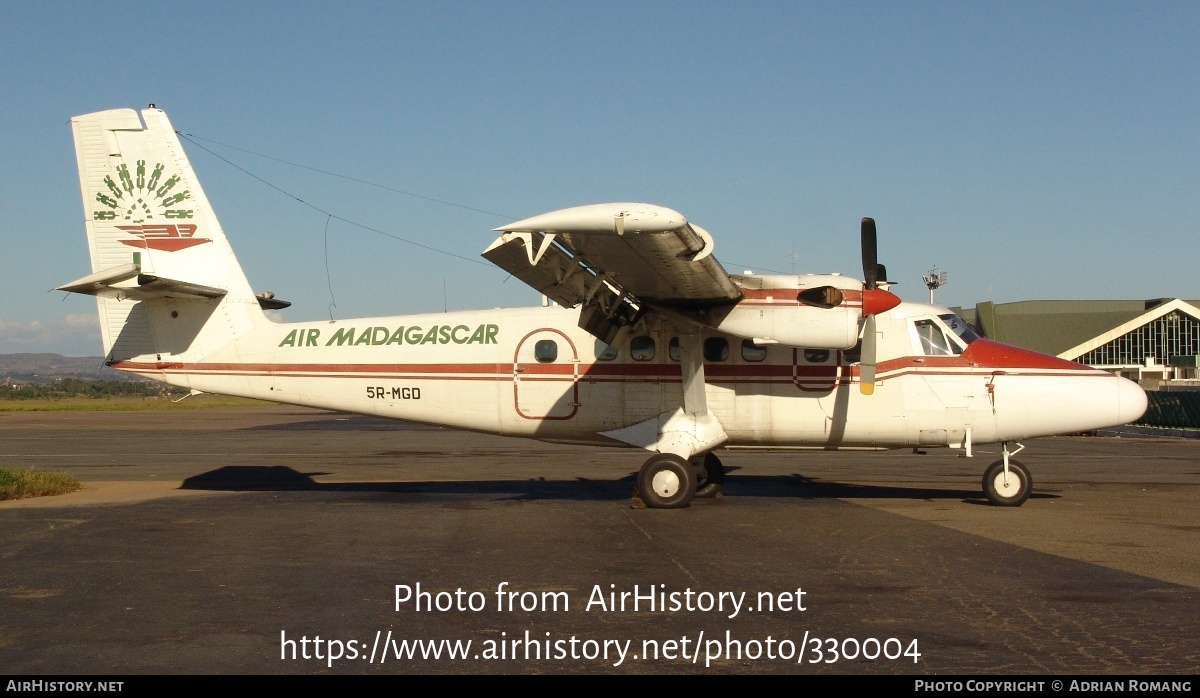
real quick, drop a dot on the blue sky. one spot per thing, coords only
(1030, 150)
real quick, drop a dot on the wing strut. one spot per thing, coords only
(691, 429)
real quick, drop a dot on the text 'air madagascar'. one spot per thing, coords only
(438, 334)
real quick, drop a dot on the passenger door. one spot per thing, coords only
(546, 376)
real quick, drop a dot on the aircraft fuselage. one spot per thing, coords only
(533, 373)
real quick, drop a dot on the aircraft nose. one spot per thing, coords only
(1131, 401)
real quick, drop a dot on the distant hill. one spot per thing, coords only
(48, 368)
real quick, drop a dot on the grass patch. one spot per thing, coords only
(86, 387)
(125, 404)
(20, 484)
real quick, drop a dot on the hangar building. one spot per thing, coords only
(1155, 342)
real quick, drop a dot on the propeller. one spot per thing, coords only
(872, 272)
(870, 255)
(866, 368)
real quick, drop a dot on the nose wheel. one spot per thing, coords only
(1007, 488)
(666, 481)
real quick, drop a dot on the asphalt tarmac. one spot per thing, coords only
(227, 541)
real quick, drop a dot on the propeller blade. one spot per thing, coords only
(869, 253)
(866, 366)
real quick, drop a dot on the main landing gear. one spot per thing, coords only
(1007, 482)
(667, 481)
(712, 477)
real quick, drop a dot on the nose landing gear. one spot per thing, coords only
(1007, 483)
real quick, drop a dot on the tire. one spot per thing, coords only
(1018, 489)
(714, 477)
(666, 482)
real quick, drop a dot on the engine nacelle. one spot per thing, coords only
(821, 312)
(799, 326)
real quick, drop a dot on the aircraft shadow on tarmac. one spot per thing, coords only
(258, 478)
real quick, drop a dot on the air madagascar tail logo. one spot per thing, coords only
(139, 199)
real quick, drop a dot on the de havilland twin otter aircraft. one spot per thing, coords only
(648, 343)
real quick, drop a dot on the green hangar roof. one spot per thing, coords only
(1053, 327)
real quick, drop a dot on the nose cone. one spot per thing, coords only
(1131, 401)
(876, 300)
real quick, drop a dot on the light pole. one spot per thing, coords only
(934, 279)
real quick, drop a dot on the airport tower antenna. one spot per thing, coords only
(934, 279)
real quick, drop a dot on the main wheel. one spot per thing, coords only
(1007, 492)
(714, 477)
(666, 481)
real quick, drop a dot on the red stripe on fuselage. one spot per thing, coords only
(983, 356)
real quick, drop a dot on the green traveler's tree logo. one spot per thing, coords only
(139, 198)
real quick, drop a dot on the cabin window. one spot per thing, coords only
(753, 352)
(673, 349)
(716, 349)
(932, 341)
(817, 356)
(604, 352)
(545, 351)
(642, 348)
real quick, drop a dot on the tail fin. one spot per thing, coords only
(165, 277)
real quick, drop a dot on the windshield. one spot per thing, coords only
(959, 327)
(933, 342)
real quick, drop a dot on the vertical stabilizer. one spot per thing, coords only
(144, 211)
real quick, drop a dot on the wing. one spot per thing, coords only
(616, 260)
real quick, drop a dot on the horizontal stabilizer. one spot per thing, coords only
(127, 282)
(92, 284)
(158, 287)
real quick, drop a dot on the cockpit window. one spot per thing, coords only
(933, 341)
(959, 327)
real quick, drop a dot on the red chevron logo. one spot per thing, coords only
(168, 237)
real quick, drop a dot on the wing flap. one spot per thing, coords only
(553, 272)
(650, 252)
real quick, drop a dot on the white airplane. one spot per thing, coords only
(663, 350)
